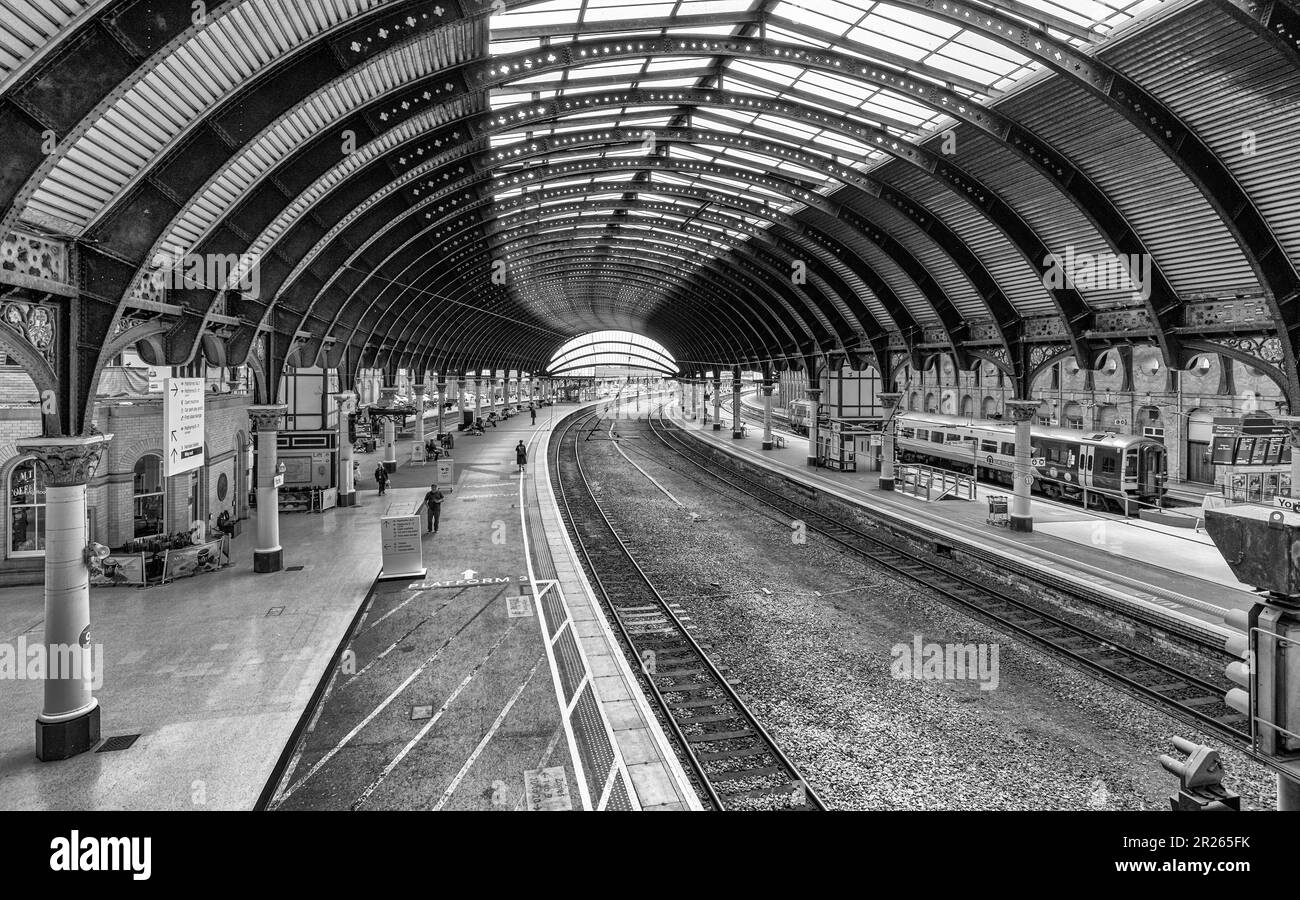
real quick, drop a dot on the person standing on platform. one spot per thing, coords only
(433, 507)
(532, 410)
(381, 477)
(521, 456)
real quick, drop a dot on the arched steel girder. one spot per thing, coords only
(902, 319)
(1070, 305)
(333, 322)
(568, 367)
(622, 100)
(435, 325)
(1276, 22)
(1180, 143)
(736, 318)
(463, 286)
(589, 342)
(944, 309)
(1076, 187)
(432, 251)
(632, 258)
(853, 312)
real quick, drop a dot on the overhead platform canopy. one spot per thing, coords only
(754, 183)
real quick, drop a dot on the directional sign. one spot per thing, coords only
(183, 408)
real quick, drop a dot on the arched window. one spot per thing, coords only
(148, 494)
(26, 510)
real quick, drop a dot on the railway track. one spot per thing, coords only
(736, 763)
(1160, 684)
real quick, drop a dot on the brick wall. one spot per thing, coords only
(137, 429)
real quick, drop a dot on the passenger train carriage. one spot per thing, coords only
(799, 413)
(1111, 466)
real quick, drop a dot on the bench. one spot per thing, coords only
(778, 440)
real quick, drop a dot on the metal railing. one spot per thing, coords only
(929, 483)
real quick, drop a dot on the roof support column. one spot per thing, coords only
(717, 399)
(736, 432)
(814, 411)
(347, 483)
(268, 555)
(768, 441)
(1023, 412)
(69, 720)
(388, 398)
(890, 402)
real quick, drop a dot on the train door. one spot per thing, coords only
(1151, 470)
(1085, 465)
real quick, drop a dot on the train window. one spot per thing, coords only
(1131, 464)
(1108, 466)
(907, 433)
(922, 434)
(1008, 449)
(936, 437)
(988, 446)
(954, 438)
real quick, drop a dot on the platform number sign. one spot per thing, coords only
(183, 410)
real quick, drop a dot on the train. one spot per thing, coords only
(799, 412)
(1113, 468)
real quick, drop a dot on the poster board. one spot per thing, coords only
(446, 474)
(403, 554)
(120, 570)
(207, 557)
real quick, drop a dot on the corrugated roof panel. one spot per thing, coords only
(1014, 275)
(1232, 84)
(1183, 233)
(28, 29)
(232, 48)
(1060, 224)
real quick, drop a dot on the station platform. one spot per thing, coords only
(321, 687)
(1173, 571)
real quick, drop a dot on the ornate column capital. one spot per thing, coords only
(388, 395)
(890, 400)
(814, 393)
(1023, 410)
(420, 389)
(66, 461)
(267, 418)
(346, 401)
(767, 388)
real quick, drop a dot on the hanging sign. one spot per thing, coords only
(183, 408)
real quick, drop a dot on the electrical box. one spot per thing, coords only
(1260, 545)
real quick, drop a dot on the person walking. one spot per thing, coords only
(381, 478)
(521, 456)
(433, 507)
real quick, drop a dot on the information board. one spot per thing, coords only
(183, 409)
(403, 553)
(446, 474)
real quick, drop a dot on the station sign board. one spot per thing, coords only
(183, 413)
(403, 554)
(1255, 441)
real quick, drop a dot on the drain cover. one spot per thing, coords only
(120, 742)
(293, 568)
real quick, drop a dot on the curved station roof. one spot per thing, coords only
(747, 182)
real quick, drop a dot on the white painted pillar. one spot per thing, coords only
(389, 397)
(1023, 411)
(814, 411)
(419, 391)
(717, 402)
(442, 404)
(346, 401)
(478, 398)
(887, 450)
(268, 555)
(69, 721)
(736, 433)
(768, 441)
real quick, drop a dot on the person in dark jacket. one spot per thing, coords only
(521, 456)
(381, 478)
(532, 410)
(433, 507)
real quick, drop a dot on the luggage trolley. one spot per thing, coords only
(998, 514)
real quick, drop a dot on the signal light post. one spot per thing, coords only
(1262, 547)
